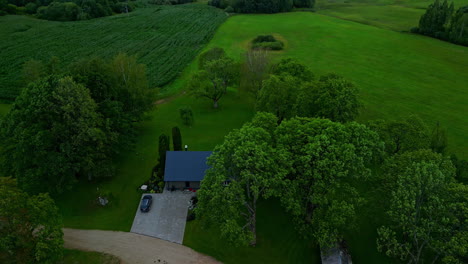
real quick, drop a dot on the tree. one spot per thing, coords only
(186, 114)
(427, 212)
(278, 96)
(458, 30)
(52, 135)
(439, 139)
(176, 139)
(164, 146)
(202, 86)
(212, 54)
(294, 68)
(327, 160)
(223, 69)
(244, 169)
(33, 70)
(254, 71)
(132, 85)
(332, 97)
(30, 230)
(404, 135)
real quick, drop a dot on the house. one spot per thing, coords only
(185, 169)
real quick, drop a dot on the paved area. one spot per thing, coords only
(133, 248)
(167, 217)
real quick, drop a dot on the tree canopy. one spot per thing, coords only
(52, 135)
(427, 210)
(243, 169)
(30, 226)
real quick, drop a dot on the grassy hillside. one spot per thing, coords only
(398, 15)
(398, 74)
(165, 38)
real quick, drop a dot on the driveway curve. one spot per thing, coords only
(133, 248)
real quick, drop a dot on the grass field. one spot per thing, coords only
(398, 15)
(85, 257)
(398, 74)
(165, 38)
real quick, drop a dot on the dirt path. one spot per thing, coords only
(133, 248)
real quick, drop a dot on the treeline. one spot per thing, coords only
(261, 6)
(443, 22)
(70, 124)
(66, 10)
(170, 2)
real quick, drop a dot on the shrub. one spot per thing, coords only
(11, 9)
(267, 42)
(186, 114)
(229, 9)
(31, 8)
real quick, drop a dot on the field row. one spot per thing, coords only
(166, 39)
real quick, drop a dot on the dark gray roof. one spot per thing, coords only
(186, 165)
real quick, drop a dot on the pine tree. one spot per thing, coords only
(176, 139)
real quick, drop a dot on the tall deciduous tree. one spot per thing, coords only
(30, 226)
(294, 68)
(176, 139)
(52, 135)
(254, 71)
(327, 159)
(278, 96)
(427, 212)
(244, 169)
(212, 54)
(332, 97)
(404, 135)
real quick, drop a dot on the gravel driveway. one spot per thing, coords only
(167, 217)
(133, 248)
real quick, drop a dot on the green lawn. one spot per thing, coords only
(210, 127)
(278, 241)
(398, 74)
(165, 38)
(85, 257)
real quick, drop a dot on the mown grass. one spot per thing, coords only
(398, 15)
(78, 206)
(278, 241)
(165, 38)
(398, 74)
(86, 257)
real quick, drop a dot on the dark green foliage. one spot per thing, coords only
(31, 226)
(327, 161)
(176, 139)
(439, 139)
(458, 30)
(267, 42)
(57, 11)
(461, 167)
(332, 97)
(52, 135)
(403, 135)
(304, 3)
(294, 68)
(427, 210)
(170, 2)
(441, 22)
(186, 114)
(212, 54)
(164, 145)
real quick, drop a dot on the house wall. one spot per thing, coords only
(181, 185)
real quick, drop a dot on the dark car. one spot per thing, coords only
(146, 203)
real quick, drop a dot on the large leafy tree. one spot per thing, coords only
(332, 97)
(254, 71)
(244, 169)
(294, 68)
(30, 226)
(278, 96)
(327, 159)
(427, 211)
(52, 135)
(399, 136)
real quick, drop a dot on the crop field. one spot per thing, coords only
(165, 38)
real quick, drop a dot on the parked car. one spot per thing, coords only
(145, 205)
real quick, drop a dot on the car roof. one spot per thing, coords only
(147, 197)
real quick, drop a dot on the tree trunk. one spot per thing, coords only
(253, 224)
(215, 103)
